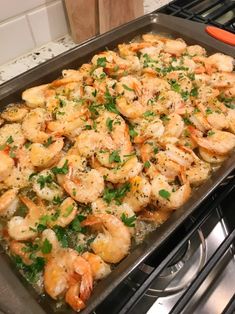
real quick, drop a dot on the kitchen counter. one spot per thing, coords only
(53, 48)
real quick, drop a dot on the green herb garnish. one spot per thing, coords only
(128, 221)
(63, 170)
(165, 194)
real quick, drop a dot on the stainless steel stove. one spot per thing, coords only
(194, 272)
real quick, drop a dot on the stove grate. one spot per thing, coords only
(214, 12)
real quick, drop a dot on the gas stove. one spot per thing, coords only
(194, 272)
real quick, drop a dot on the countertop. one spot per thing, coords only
(52, 49)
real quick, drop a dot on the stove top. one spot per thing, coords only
(215, 12)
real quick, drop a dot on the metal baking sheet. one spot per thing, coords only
(16, 295)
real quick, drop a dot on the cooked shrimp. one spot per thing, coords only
(50, 235)
(85, 187)
(89, 142)
(22, 229)
(139, 195)
(45, 156)
(211, 157)
(113, 244)
(179, 156)
(221, 62)
(11, 134)
(67, 213)
(123, 173)
(82, 185)
(35, 96)
(33, 125)
(6, 165)
(159, 216)
(148, 128)
(71, 129)
(165, 196)
(19, 175)
(231, 120)
(216, 141)
(19, 249)
(175, 47)
(14, 113)
(196, 50)
(222, 80)
(198, 172)
(166, 166)
(8, 203)
(101, 207)
(48, 190)
(68, 274)
(174, 125)
(132, 110)
(99, 268)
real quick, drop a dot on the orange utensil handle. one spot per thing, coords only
(221, 35)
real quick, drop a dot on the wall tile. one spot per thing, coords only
(15, 39)
(12, 8)
(48, 23)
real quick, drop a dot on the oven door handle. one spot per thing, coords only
(220, 34)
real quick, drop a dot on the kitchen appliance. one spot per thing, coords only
(163, 262)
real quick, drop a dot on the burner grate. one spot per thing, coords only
(214, 12)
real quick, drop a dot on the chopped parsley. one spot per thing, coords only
(132, 131)
(101, 62)
(109, 124)
(46, 247)
(149, 114)
(117, 194)
(110, 102)
(9, 140)
(114, 157)
(68, 211)
(147, 164)
(128, 221)
(210, 133)
(208, 111)
(57, 200)
(63, 170)
(165, 194)
(43, 180)
(127, 88)
(48, 142)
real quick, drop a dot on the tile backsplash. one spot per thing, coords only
(26, 24)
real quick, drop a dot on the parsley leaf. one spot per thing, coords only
(110, 104)
(68, 211)
(128, 88)
(46, 247)
(44, 180)
(147, 164)
(128, 221)
(210, 133)
(48, 142)
(109, 124)
(209, 111)
(114, 157)
(165, 194)
(101, 62)
(148, 114)
(9, 140)
(63, 170)
(116, 194)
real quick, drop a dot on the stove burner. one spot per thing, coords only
(183, 268)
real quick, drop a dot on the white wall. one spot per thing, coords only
(27, 24)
